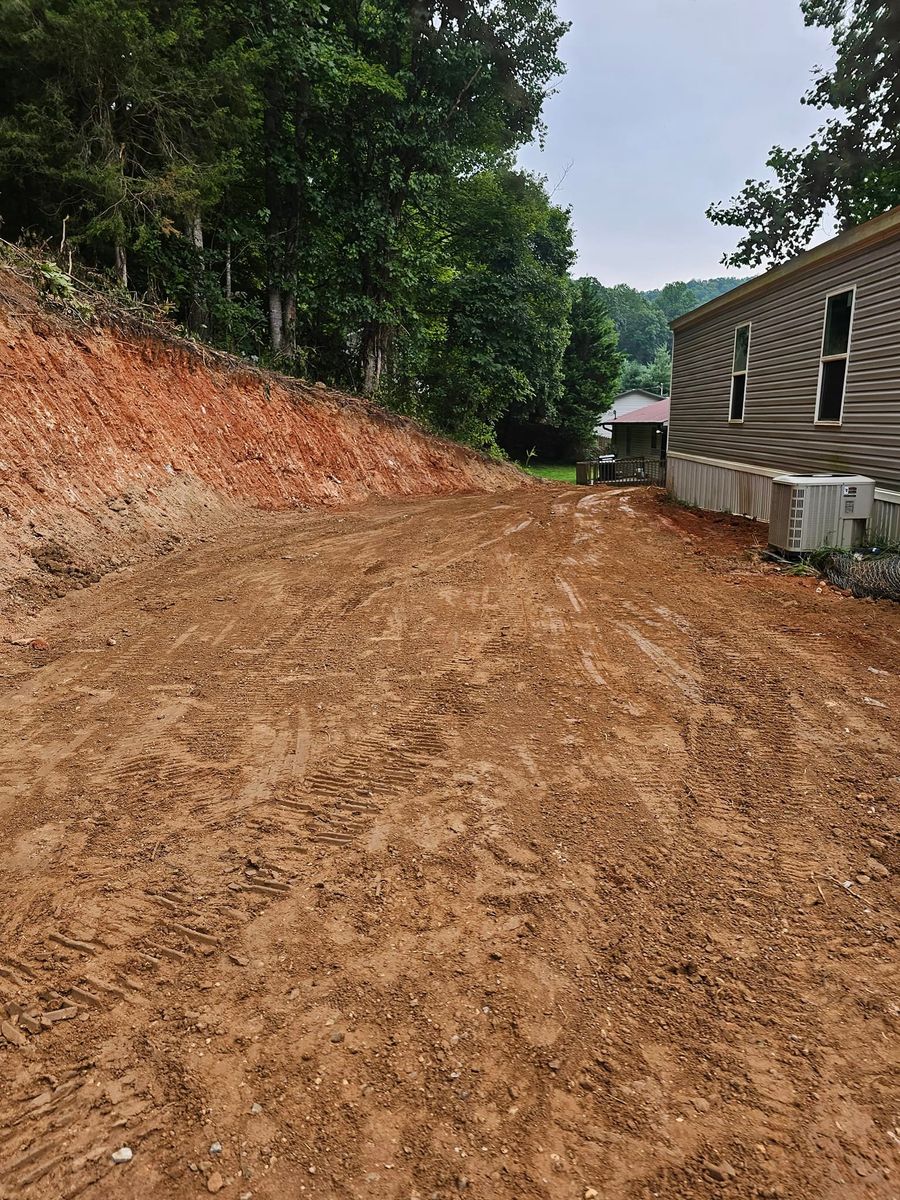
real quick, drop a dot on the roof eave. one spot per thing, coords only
(879, 229)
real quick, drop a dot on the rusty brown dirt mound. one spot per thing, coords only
(115, 446)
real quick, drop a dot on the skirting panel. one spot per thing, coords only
(749, 494)
(885, 521)
(721, 489)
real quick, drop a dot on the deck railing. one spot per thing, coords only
(622, 470)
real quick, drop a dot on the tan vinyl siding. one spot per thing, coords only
(779, 429)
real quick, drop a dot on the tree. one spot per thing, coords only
(498, 321)
(641, 325)
(471, 79)
(119, 116)
(591, 364)
(675, 299)
(852, 162)
(655, 376)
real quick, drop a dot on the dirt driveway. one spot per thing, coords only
(523, 846)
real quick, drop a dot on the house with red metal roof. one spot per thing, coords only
(642, 433)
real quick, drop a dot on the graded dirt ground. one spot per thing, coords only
(530, 845)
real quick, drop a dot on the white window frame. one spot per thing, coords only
(823, 358)
(748, 325)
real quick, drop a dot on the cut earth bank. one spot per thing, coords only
(116, 445)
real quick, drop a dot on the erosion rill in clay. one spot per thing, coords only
(115, 446)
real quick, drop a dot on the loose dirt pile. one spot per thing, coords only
(526, 846)
(116, 447)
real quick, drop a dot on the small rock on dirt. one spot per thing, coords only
(39, 644)
(591, 1193)
(14, 1036)
(215, 1183)
(123, 1155)
(623, 972)
(216, 1148)
(876, 869)
(256, 1109)
(721, 1172)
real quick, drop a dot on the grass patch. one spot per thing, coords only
(560, 472)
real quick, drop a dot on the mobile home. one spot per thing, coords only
(794, 372)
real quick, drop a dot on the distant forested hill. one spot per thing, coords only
(701, 290)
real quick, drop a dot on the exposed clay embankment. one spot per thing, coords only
(116, 446)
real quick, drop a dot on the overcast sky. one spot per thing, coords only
(668, 105)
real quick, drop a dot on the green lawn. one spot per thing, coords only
(561, 472)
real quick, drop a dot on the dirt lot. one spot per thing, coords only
(534, 845)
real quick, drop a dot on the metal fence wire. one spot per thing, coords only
(875, 575)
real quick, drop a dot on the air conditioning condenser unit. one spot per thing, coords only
(811, 511)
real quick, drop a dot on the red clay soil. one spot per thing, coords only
(116, 446)
(530, 846)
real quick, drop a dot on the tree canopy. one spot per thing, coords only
(852, 164)
(325, 186)
(642, 323)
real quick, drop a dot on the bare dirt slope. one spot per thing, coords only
(115, 446)
(520, 846)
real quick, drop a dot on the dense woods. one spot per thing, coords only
(328, 187)
(642, 321)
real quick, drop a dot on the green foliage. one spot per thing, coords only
(52, 279)
(675, 299)
(641, 325)
(497, 311)
(591, 364)
(642, 321)
(701, 290)
(852, 162)
(655, 376)
(322, 185)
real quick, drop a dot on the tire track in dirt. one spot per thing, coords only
(377, 827)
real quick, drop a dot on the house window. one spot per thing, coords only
(739, 372)
(835, 355)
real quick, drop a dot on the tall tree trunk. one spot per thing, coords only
(197, 314)
(289, 322)
(376, 341)
(276, 319)
(228, 270)
(121, 264)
